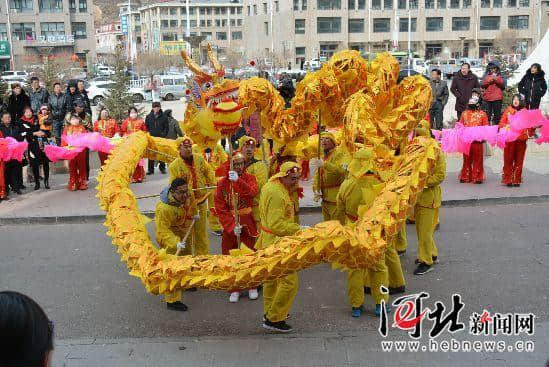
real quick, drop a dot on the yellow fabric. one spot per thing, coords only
(425, 227)
(278, 297)
(204, 177)
(333, 174)
(258, 153)
(282, 172)
(394, 267)
(260, 172)
(362, 162)
(431, 196)
(401, 240)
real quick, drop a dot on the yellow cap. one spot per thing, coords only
(285, 170)
(246, 140)
(329, 135)
(362, 162)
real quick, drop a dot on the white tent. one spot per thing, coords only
(539, 55)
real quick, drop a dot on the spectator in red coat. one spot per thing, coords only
(494, 85)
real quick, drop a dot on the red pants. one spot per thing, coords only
(305, 170)
(513, 158)
(138, 174)
(102, 157)
(228, 241)
(77, 169)
(473, 164)
(2, 181)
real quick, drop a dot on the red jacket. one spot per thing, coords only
(504, 121)
(493, 87)
(246, 189)
(471, 118)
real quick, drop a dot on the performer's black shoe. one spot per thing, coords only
(410, 221)
(509, 185)
(177, 306)
(423, 269)
(150, 173)
(193, 289)
(478, 182)
(435, 259)
(397, 290)
(367, 290)
(516, 185)
(163, 171)
(279, 327)
(437, 227)
(400, 253)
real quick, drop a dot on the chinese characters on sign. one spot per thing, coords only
(53, 39)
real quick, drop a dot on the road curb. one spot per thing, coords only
(95, 218)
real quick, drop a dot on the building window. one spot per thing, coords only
(300, 51)
(233, 10)
(485, 3)
(218, 22)
(497, 3)
(224, 22)
(236, 35)
(238, 10)
(328, 50)
(233, 22)
(3, 32)
(303, 4)
(164, 23)
(183, 11)
(208, 35)
(454, 4)
(413, 4)
(328, 25)
(201, 11)
(441, 4)
(51, 6)
(266, 28)
(461, 23)
(21, 6)
(82, 6)
(23, 31)
(173, 11)
(489, 23)
(155, 24)
(255, 9)
(296, 4)
(193, 23)
(238, 22)
(376, 4)
(388, 4)
(72, 6)
(300, 26)
(466, 4)
(169, 37)
(511, 3)
(432, 50)
(429, 4)
(433, 24)
(361, 4)
(277, 7)
(351, 4)
(264, 8)
(518, 22)
(524, 3)
(356, 25)
(173, 24)
(164, 11)
(249, 10)
(328, 4)
(51, 30)
(221, 36)
(403, 24)
(382, 25)
(79, 30)
(402, 4)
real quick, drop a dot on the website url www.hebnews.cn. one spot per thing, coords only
(454, 345)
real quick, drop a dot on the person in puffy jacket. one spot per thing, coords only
(58, 107)
(157, 125)
(37, 94)
(174, 131)
(533, 86)
(494, 85)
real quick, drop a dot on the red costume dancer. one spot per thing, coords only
(245, 189)
(3, 194)
(513, 154)
(129, 126)
(106, 127)
(77, 165)
(473, 163)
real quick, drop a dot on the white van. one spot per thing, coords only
(171, 87)
(14, 75)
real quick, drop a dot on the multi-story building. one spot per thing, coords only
(107, 38)
(33, 28)
(299, 30)
(164, 25)
(130, 19)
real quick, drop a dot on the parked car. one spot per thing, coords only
(98, 91)
(449, 67)
(104, 70)
(171, 87)
(14, 74)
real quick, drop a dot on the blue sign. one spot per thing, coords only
(124, 23)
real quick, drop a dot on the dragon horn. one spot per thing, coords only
(194, 66)
(216, 65)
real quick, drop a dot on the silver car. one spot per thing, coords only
(171, 87)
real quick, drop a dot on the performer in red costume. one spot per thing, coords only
(244, 188)
(130, 125)
(77, 165)
(473, 163)
(107, 127)
(3, 194)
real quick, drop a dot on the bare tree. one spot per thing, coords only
(506, 42)
(233, 58)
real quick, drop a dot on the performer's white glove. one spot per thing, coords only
(181, 246)
(196, 217)
(116, 136)
(238, 230)
(317, 197)
(233, 176)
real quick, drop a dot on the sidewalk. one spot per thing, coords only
(60, 205)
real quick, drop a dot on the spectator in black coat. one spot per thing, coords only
(71, 96)
(157, 125)
(31, 129)
(37, 94)
(13, 167)
(17, 101)
(81, 90)
(533, 86)
(58, 107)
(174, 131)
(463, 83)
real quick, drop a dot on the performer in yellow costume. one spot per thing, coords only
(426, 210)
(173, 216)
(277, 214)
(199, 174)
(330, 175)
(358, 192)
(215, 158)
(247, 145)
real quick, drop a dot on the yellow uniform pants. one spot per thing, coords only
(401, 241)
(200, 239)
(329, 211)
(394, 268)
(213, 221)
(426, 220)
(173, 297)
(278, 296)
(376, 276)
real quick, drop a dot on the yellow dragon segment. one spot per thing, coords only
(374, 120)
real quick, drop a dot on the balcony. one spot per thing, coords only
(50, 41)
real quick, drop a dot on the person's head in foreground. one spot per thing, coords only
(289, 175)
(27, 332)
(185, 146)
(179, 190)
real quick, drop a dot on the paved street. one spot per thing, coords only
(495, 256)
